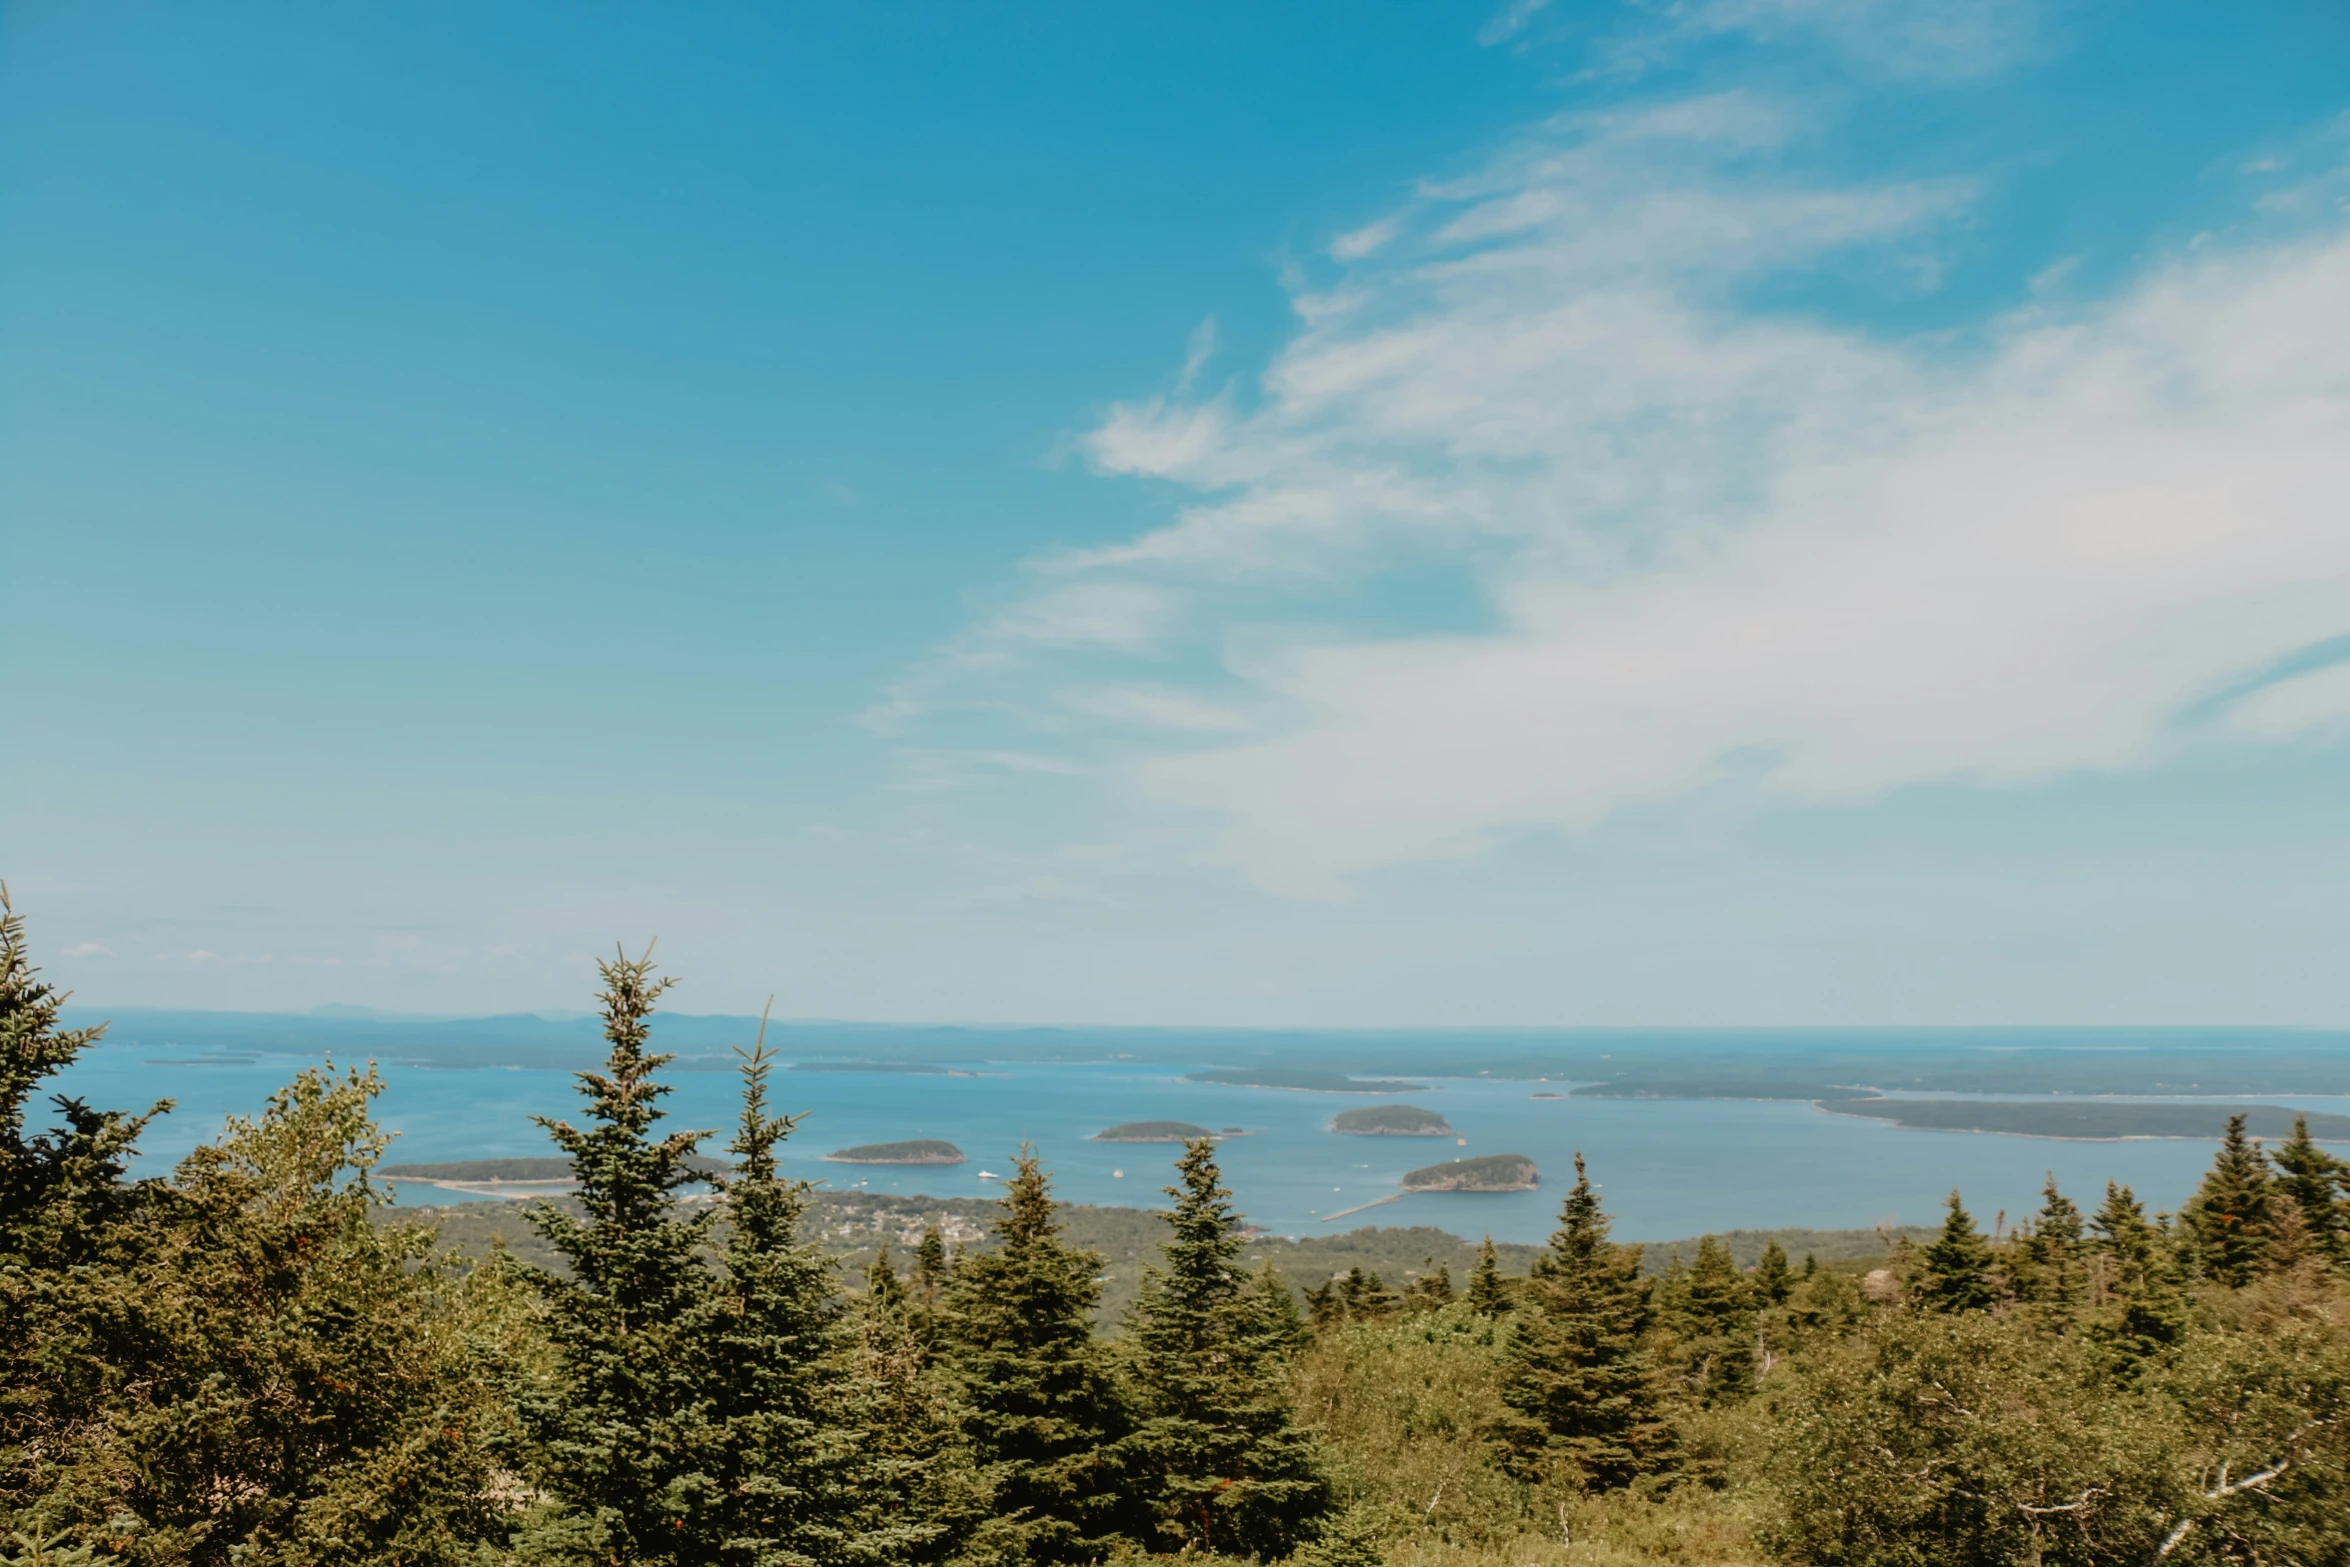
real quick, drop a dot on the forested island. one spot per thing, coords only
(915, 1068)
(1151, 1132)
(918, 1150)
(1497, 1172)
(250, 1361)
(1391, 1121)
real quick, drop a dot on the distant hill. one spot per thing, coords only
(1494, 1172)
(1391, 1121)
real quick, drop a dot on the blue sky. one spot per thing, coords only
(1773, 511)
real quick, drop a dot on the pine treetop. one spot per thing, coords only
(82, 1162)
(1488, 1296)
(2309, 1179)
(2059, 1220)
(1774, 1280)
(1954, 1273)
(2228, 1217)
(634, 1249)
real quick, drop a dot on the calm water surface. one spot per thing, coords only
(1668, 1168)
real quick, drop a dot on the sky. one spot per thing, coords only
(1713, 512)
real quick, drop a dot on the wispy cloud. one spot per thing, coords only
(1721, 543)
(89, 949)
(1903, 39)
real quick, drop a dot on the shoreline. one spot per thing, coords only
(2046, 1137)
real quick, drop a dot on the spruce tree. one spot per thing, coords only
(1277, 1313)
(1488, 1296)
(1954, 1273)
(1774, 1280)
(1580, 1392)
(56, 1187)
(791, 1470)
(1233, 1474)
(2047, 1261)
(623, 1436)
(883, 1288)
(2123, 1242)
(1042, 1411)
(2313, 1181)
(1716, 1311)
(2228, 1217)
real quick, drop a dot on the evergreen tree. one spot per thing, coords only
(1277, 1313)
(1774, 1280)
(2312, 1182)
(2047, 1262)
(1715, 1307)
(1430, 1290)
(2138, 1305)
(882, 1285)
(1042, 1412)
(1324, 1308)
(791, 1473)
(1233, 1473)
(930, 1267)
(56, 1187)
(1488, 1296)
(1363, 1295)
(2123, 1242)
(2228, 1217)
(1954, 1273)
(623, 1434)
(1580, 1392)
(260, 1372)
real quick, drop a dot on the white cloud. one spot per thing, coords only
(1718, 544)
(1903, 39)
(89, 949)
(1123, 616)
(1156, 707)
(1197, 352)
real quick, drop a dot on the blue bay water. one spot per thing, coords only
(1668, 1168)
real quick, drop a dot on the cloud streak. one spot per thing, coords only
(1720, 544)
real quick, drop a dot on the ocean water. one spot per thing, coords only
(1666, 1168)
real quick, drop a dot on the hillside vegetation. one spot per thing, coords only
(248, 1361)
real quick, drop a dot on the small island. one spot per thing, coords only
(1391, 1121)
(1152, 1132)
(920, 1150)
(1546, 1095)
(1494, 1172)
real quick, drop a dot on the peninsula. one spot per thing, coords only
(2096, 1120)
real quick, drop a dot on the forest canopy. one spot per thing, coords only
(251, 1360)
